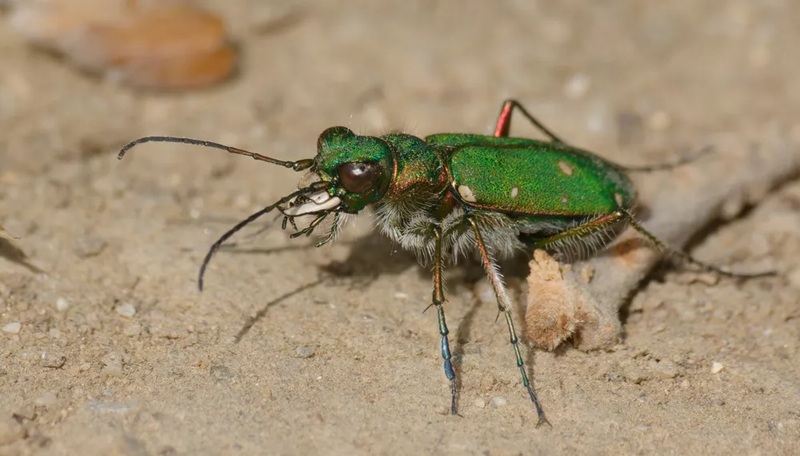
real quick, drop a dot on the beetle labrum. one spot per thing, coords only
(447, 193)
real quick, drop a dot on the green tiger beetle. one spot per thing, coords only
(448, 193)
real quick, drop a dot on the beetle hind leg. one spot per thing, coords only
(504, 121)
(664, 248)
(585, 239)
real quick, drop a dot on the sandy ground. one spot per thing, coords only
(117, 352)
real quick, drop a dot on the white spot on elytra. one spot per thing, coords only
(565, 168)
(466, 194)
(514, 192)
(618, 199)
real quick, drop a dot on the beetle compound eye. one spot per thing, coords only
(358, 177)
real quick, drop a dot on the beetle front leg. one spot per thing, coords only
(504, 305)
(504, 121)
(438, 302)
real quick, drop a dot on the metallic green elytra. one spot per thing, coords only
(535, 178)
(449, 194)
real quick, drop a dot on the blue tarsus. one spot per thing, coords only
(438, 301)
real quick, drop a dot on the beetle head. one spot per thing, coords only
(357, 169)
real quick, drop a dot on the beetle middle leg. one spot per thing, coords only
(505, 307)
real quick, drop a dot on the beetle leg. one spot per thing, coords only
(311, 226)
(688, 158)
(605, 222)
(504, 121)
(438, 301)
(332, 233)
(504, 305)
(583, 239)
(662, 247)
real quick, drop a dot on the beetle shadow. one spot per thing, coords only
(374, 255)
(251, 321)
(462, 338)
(370, 257)
(366, 262)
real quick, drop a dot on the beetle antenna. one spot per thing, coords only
(216, 245)
(298, 165)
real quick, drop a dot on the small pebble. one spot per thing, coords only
(716, 367)
(304, 352)
(706, 278)
(665, 369)
(577, 86)
(480, 403)
(12, 328)
(499, 401)
(52, 360)
(112, 364)
(400, 295)
(126, 310)
(62, 304)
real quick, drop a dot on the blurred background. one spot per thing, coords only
(107, 348)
